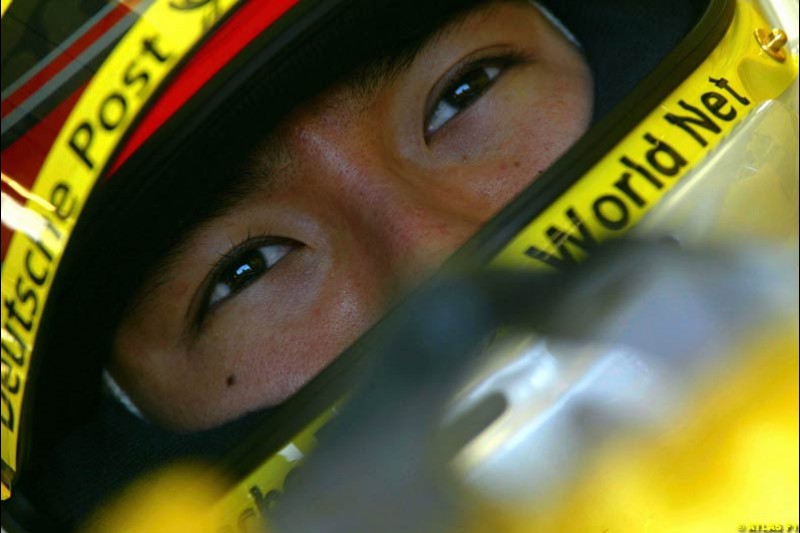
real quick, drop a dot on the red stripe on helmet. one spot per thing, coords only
(241, 28)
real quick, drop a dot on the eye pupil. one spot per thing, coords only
(251, 264)
(243, 266)
(468, 88)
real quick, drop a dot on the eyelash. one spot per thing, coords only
(219, 290)
(457, 81)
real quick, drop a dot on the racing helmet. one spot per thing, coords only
(109, 119)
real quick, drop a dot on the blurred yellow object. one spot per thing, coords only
(728, 463)
(178, 499)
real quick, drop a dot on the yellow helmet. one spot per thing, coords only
(111, 112)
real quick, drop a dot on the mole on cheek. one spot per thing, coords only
(230, 381)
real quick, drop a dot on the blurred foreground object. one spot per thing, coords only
(659, 393)
(671, 405)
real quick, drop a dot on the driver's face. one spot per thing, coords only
(357, 196)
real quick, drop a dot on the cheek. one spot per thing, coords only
(262, 353)
(148, 341)
(515, 133)
(540, 132)
(254, 352)
(525, 148)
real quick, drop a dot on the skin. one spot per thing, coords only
(372, 204)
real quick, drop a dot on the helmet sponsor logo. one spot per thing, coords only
(616, 193)
(23, 305)
(90, 136)
(185, 5)
(245, 507)
(112, 109)
(714, 103)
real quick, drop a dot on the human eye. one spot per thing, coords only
(244, 264)
(462, 88)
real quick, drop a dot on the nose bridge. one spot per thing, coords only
(383, 201)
